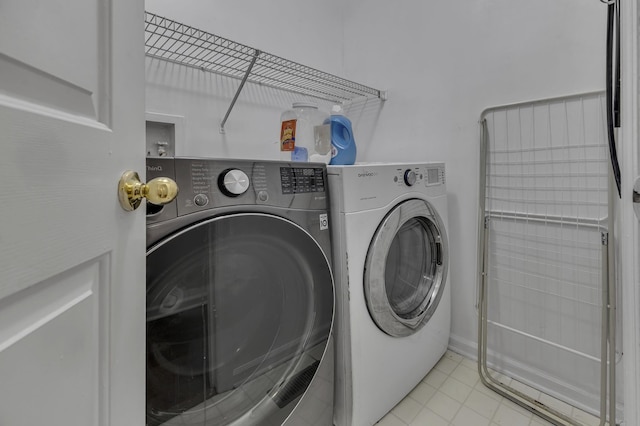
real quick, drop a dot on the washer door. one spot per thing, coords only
(239, 311)
(406, 268)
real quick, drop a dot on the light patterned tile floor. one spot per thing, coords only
(453, 395)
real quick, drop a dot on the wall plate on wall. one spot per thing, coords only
(164, 134)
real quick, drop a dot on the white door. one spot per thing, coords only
(628, 234)
(72, 283)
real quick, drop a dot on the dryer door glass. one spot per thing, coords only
(239, 310)
(406, 268)
(411, 267)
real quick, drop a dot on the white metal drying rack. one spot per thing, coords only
(561, 173)
(179, 43)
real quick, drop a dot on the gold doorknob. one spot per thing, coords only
(131, 191)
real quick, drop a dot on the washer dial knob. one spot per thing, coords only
(201, 200)
(233, 182)
(409, 177)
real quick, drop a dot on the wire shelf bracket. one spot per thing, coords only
(178, 43)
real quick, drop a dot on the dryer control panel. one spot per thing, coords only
(425, 175)
(367, 186)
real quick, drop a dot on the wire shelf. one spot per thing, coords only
(179, 43)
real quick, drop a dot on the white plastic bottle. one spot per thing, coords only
(303, 136)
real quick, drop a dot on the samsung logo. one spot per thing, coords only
(154, 168)
(367, 174)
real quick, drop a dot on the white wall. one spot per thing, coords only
(304, 31)
(442, 62)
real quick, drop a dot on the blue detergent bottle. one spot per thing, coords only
(343, 145)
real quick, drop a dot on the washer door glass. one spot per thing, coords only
(239, 311)
(406, 268)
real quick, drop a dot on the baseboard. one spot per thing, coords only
(465, 347)
(538, 379)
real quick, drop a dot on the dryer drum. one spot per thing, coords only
(406, 268)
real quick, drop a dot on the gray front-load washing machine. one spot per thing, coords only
(240, 296)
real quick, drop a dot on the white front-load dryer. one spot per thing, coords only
(393, 303)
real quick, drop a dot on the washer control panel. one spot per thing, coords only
(300, 180)
(218, 183)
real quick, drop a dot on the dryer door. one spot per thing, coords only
(239, 311)
(406, 268)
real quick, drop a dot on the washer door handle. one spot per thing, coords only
(158, 191)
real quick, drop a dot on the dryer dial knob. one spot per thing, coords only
(409, 177)
(233, 182)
